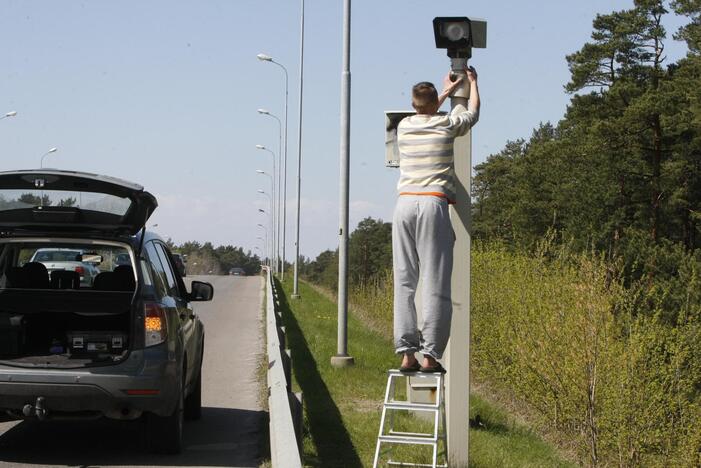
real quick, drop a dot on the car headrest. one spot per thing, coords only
(125, 278)
(36, 275)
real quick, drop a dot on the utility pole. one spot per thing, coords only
(295, 281)
(342, 359)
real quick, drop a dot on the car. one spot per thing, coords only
(129, 346)
(180, 264)
(55, 259)
(122, 259)
(236, 271)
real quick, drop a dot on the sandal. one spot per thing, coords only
(433, 369)
(415, 367)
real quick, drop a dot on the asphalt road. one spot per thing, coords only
(233, 423)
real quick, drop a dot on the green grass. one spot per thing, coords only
(500, 441)
(342, 406)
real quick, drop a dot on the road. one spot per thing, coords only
(233, 422)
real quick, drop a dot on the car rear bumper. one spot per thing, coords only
(122, 391)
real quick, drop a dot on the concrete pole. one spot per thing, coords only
(284, 186)
(279, 198)
(341, 359)
(457, 356)
(295, 282)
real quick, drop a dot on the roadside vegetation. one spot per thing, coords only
(342, 406)
(586, 255)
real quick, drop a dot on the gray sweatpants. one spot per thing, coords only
(422, 244)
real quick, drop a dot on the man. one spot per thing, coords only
(422, 235)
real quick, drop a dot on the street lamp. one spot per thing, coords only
(52, 150)
(279, 201)
(270, 200)
(272, 188)
(9, 114)
(283, 168)
(341, 358)
(275, 208)
(266, 239)
(261, 210)
(295, 283)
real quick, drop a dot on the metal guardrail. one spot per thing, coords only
(283, 405)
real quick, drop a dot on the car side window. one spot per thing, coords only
(149, 286)
(159, 275)
(167, 267)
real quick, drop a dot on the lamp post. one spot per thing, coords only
(272, 188)
(267, 195)
(459, 35)
(272, 241)
(295, 284)
(283, 196)
(279, 202)
(52, 150)
(269, 199)
(342, 359)
(267, 252)
(275, 208)
(9, 114)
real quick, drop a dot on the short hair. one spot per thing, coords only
(424, 97)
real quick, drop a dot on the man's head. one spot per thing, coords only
(424, 98)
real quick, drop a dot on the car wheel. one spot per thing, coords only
(193, 402)
(164, 434)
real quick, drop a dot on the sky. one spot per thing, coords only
(165, 94)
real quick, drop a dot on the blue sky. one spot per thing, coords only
(164, 93)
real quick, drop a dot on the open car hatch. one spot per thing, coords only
(65, 201)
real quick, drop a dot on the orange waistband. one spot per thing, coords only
(433, 194)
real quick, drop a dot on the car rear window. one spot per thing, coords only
(51, 264)
(57, 256)
(22, 199)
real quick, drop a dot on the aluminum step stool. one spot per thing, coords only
(390, 405)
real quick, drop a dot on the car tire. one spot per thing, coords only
(193, 402)
(164, 434)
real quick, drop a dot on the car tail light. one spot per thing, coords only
(80, 270)
(155, 324)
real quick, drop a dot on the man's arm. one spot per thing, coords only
(474, 104)
(463, 119)
(448, 88)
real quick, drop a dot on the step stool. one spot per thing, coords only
(391, 405)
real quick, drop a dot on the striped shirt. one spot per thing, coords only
(426, 152)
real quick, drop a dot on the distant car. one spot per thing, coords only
(130, 347)
(236, 271)
(179, 264)
(122, 259)
(61, 259)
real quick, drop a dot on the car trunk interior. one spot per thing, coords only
(54, 314)
(64, 328)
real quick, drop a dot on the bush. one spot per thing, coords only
(566, 338)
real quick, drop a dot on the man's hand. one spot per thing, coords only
(471, 74)
(449, 85)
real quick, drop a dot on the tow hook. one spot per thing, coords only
(37, 410)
